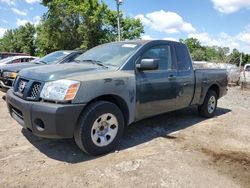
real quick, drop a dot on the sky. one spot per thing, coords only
(223, 23)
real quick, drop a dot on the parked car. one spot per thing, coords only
(247, 67)
(4, 55)
(109, 87)
(8, 73)
(17, 59)
(245, 76)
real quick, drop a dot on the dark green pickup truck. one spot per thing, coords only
(110, 87)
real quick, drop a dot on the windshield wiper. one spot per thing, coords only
(76, 61)
(95, 62)
(40, 62)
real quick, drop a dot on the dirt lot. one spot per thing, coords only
(179, 149)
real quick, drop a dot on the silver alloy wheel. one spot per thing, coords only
(104, 130)
(211, 104)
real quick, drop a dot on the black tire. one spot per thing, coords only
(83, 130)
(203, 109)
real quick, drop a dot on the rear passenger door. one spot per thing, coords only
(185, 77)
(156, 89)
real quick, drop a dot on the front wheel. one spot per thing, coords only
(100, 128)
(209, 106)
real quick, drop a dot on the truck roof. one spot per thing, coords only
(142, 42)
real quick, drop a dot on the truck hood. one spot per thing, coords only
(61, 71)
(18, 66)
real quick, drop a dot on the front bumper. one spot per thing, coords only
(47, 120)
(6, 84)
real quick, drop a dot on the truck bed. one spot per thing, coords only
(205, 78)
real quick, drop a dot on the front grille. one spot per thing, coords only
(27, 89)
(35, 90)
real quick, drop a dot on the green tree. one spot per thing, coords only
(234, 57)
(192, 44)
(58, 28)
(8, 42)
(25, 37)
(131, 28)
(20, 40)
(198, 55)
(245, 59)
(209, 53)
(71, 24)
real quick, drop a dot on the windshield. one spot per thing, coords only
(53, 57)
(114, 54)
(6, 59)
(247, 68)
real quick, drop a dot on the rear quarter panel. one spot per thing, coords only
(205, 78)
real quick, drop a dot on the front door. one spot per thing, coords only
(156, 89)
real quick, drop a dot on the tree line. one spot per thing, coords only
(70, 24)
(215, 53)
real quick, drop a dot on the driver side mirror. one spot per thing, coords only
(148, 64)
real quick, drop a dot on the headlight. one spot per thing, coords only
(60, 90)
(9, 75)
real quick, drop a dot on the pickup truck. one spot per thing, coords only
(109, 87)
(245, 77)
(8, 72)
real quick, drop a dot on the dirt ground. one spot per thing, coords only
(177, 149)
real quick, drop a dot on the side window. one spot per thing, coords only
(183, 58)
(162, 53)
(16, 61)
(247, 68)
(72, 58)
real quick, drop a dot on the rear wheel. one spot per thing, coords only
(100, 128)
(209, 106)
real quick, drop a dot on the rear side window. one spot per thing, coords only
(162, 53)
(183, 57)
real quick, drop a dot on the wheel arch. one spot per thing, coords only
(118, 101)
(216, 88)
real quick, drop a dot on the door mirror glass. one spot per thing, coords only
(148, 64)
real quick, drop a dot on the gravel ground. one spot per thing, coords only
(177, 149)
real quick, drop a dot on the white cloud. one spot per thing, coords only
(21, 22)
(9, 2)
(2, 31)
(36, 20)
(171, 39)
(3, 20)
(222, 40)
(230, 6)
(244, 37)
(146, 37)
(19, 12)
(241, 41)
(32, 1)
(167, 22)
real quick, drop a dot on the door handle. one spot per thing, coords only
(172, 77)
